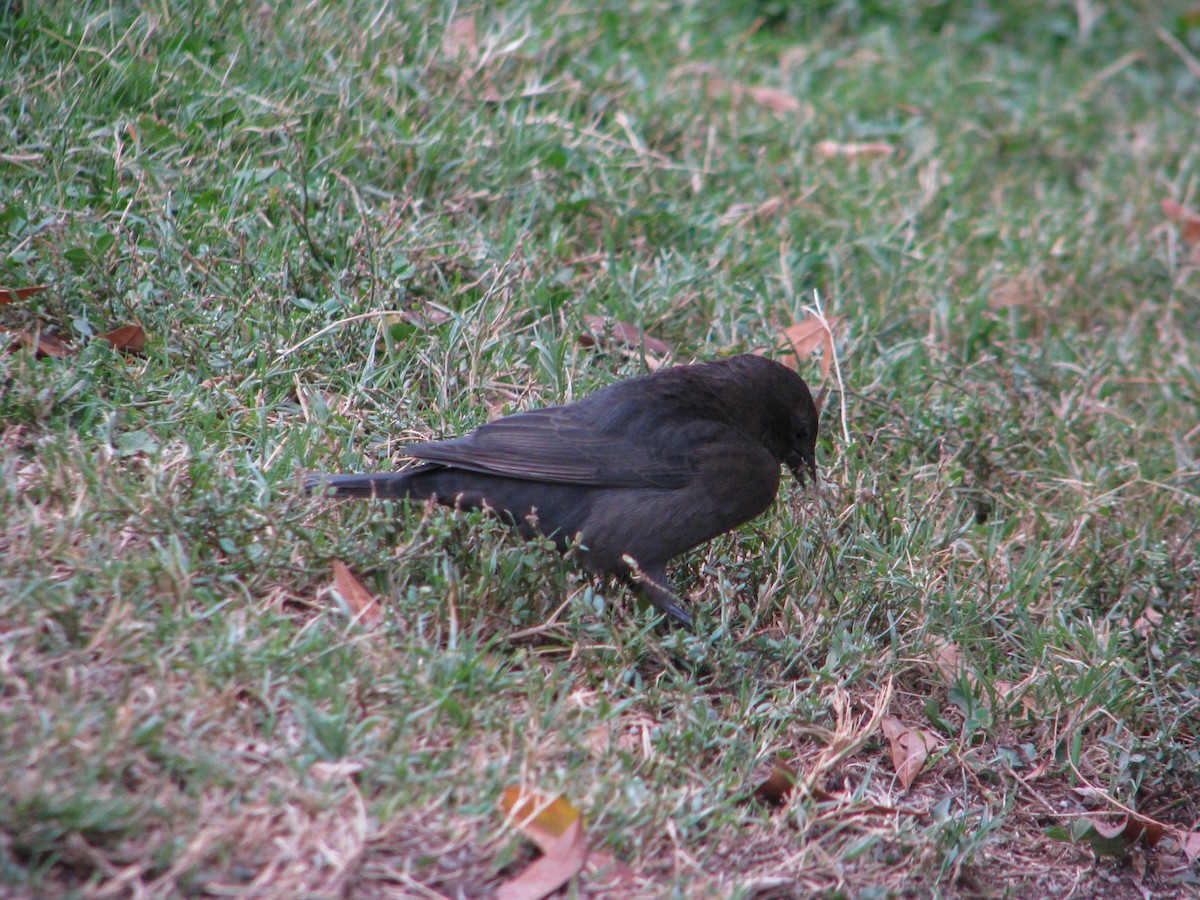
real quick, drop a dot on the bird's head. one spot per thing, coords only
(801, 453)
(794, 422)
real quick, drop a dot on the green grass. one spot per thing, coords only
(257, 185)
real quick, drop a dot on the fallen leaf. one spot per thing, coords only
(1147, 623)
(777, 786)
(561, 862)
(1010, 693)
(128, 337)
(853, 149)
(601, 330)
(460, 39)
(1091, 797)
(1131, 829)
(947, 657)
(42, 345)
(1191, 847)
(545, 821)
(1187, 220)
(541, 819)
(11, 295)
(910, 749)
(363, 604)
(1119, 837)
(806, 337)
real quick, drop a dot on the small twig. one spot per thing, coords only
(545, 626)
(837, 366)
(333, 326)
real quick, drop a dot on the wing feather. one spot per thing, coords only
(550, 445)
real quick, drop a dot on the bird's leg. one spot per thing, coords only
(652, 581)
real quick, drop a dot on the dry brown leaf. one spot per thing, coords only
(128, 337)
(854, 149)
(1132, 828)
(910, 749)
(461, 39)
(1191, 846)
(806, 337)
(545, 821)
(1011, 692)
(42, 345)
(947, 657)
(561, 862)
(777, 786)
(1147, 623)
(12, 295)
(602, 330)
(363, 604)
(1187, 220)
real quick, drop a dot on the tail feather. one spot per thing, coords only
(378, 484)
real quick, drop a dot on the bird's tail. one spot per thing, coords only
(379, 484)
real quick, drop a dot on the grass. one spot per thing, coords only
(1002, 553)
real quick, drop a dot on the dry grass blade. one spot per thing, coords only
(849, 734)
(853, 149)
(740, 212)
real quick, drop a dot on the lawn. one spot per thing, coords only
(267, 239)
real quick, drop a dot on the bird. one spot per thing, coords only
(629, 477)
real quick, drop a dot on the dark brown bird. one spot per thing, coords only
(632, 475)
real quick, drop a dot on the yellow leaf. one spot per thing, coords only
(541, 819)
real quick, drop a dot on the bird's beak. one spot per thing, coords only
(803, 465)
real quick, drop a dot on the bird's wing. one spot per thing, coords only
(553, 445)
